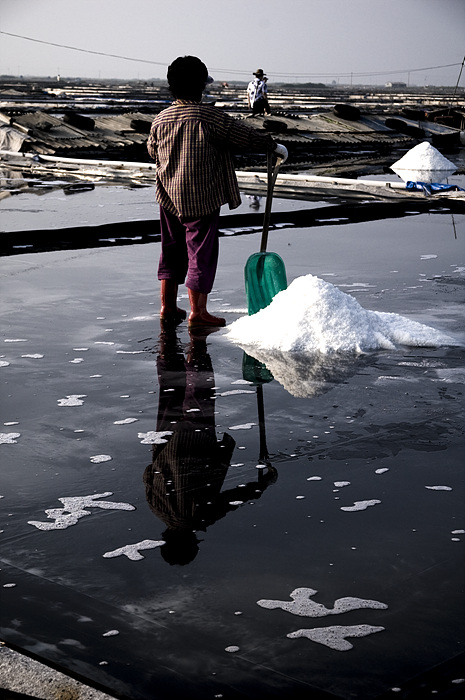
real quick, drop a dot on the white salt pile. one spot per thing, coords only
(423, 163)
(314, 316)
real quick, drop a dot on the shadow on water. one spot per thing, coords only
(189, 465)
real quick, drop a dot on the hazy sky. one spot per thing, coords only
(308, 40)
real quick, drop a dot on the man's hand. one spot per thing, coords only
(281, 152)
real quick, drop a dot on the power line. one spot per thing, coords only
(233, 70)
(75, 48)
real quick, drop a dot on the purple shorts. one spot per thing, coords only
(189, 250)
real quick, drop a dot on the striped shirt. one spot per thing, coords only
(192, 146)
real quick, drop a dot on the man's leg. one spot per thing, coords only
(202, 246)
(172, 267)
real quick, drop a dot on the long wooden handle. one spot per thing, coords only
(272, 175)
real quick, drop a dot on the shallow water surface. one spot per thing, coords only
(179, 521)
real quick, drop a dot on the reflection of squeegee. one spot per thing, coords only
(257, 374)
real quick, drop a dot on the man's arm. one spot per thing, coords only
(152, 145)
(239, 136)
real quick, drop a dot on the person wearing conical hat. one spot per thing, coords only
(257, 94)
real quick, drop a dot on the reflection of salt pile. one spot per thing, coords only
(306, 375)
(423, 163)
(312, 315)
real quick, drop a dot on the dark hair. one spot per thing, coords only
(187, 77)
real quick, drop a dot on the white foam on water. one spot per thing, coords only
(132, 551)
(231, 649)
(9, 585)
(110, 633)
(76, 361)
(439, 488)
(72, 400)
(361, 505)
(314, 478)
(452, 375)
(340, 484)
(243, 426)
(125, 421)
(129, 352)
(98, 459)
(153, 437)
(335, 637)
(4, 363)
(15, 340)
(381, 471)
(303, 606)
(34, 356)
(74, 508)
(242, 381)
(236, 503)
(9, 438)
(314, 316)
(233, 392)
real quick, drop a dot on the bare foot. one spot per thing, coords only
(205, 319)
(172, 315)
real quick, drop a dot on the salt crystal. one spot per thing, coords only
(154, 437)
(423, 163)
(72, 400)
(334, 637)
(361, 505)
(314, 316)
(132, 551)
(424, 156)
(243, 426)
(9, 438)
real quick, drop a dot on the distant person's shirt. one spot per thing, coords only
(257, 90)
(192, 146)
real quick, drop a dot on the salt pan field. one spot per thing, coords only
(273, 510)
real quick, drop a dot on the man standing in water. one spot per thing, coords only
(192, 146)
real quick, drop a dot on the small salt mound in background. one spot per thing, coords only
(312, 315)
(423, 163)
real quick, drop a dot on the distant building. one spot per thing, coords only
(396, 85)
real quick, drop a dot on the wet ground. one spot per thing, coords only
(300, 538)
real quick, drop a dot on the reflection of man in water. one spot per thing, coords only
(183, 483)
